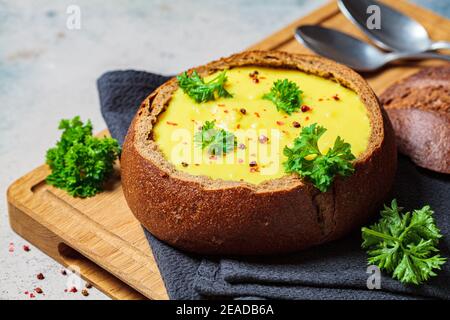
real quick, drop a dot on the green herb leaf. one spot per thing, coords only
(306, 159)
(199, 90)
(80, 163)
(404, 244)
(218, 141)
(286, 96)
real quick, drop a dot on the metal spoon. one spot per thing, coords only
(397, 31)
(354, 53)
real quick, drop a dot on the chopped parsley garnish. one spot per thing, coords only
(217, 141)
(306, 159)
(80, 162)
(286, 96)
(199, 90)
(405, 245)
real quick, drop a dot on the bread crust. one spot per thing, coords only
(419, 108)
(202, 215)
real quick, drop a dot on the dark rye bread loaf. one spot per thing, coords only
(199, 214)
(419, 109)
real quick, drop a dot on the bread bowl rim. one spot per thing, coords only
(156, 103)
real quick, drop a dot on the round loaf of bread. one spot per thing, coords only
(419, 109)
(215, 216)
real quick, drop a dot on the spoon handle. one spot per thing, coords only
(416, 56)
(440, 45)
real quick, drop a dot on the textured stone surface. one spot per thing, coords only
(48, 72)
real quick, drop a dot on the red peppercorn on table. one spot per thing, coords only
(101, 236)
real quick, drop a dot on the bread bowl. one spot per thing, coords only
(221, 215)
(419, 109)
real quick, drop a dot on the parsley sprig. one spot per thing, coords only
(199, 90)
(286, 96)
(306, 159)
(217, 141)
(80, 162)
(404, 244)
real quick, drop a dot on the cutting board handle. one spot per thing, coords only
(70, 258)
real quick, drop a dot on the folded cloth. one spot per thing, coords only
(335, 270)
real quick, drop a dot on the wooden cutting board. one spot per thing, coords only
(100, 236)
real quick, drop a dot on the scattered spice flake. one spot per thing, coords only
(73, 290)
(280, 123)
(38, 290)
(171, 123)
(257, 114)
(220, 105)
(296, 124)
(88, 285)
(336, 97)
(320, 99)
(11, 247)
(84, 292)
(32, 295)
(238, 126)
(305, 108)
(262, 78)
(253, 74)
(241, 146)
(307, 118)
(254, 169)
(40, 276)
(26, 248)
(65, 290)
(64, 272)
(243, 111)
(184, 164)
(253, 164)
(26, 292)
(226, 111)
(263, 139)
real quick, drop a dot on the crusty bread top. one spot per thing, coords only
(428, 90)
(157, 102)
